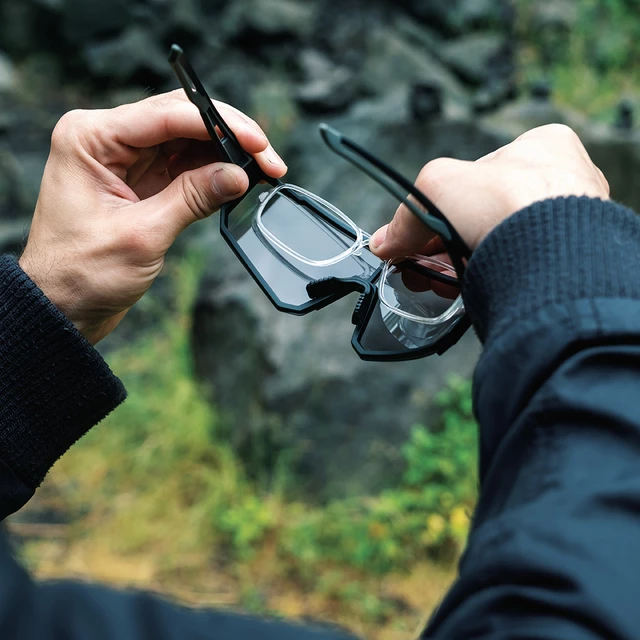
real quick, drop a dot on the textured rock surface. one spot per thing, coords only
(298, 386)
(406, 79)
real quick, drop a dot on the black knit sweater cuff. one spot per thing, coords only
(552, 252)
(54, 386)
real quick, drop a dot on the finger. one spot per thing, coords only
(199, 154)
(407, 234)
(192, 196)
(160, 119)
(415, 282)
(403, 236)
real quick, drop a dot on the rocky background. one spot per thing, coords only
(411, 79)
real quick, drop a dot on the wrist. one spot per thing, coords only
(552, 252)
(41, 276)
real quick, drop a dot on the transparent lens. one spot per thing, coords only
(307, 228)
(298, 232)
(416, 308)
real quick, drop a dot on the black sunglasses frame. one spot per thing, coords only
(329, 290)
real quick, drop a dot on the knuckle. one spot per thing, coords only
(563, 131)
(135, 241)
(70, 127)
(197, 201)
(434, 176)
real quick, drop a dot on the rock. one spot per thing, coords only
(18, 28)
(541, 90)
(30, 168)
(327, 87)
(425, 101)
(624, 115)
(83, 22)
(13, 235)
(248, 20)
(515, 119)
(344, 34)
(493, 95)
(393, 62)
(458, 16)
(186, 22)
(617, 154)
(293, 384)
(554, 14)
(472, 57)
(8, 77)
(133, 55)
(480, 14)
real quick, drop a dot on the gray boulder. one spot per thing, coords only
(393, 61)
(292, 385)
(615, 151)
(134, 54)
(327, 87)
(8, 76)
(269, 19)
(83, 22)
(472, 57)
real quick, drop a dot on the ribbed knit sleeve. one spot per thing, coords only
(554, 251)
(54, 386)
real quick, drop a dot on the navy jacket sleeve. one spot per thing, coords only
(554, 552)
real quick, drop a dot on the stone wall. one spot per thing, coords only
(412, 80)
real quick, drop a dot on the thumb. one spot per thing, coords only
(195, 195)
(407, 234)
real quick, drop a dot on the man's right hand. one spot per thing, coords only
(547, 162)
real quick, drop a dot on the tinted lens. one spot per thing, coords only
(305, 227)
(286, 276)
(415, 311)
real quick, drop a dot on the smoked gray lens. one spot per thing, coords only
(291, 218)
(301, 228)
(414, 312)
(386, 332)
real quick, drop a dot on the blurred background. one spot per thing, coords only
(258, 464)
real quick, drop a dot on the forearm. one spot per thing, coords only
(54, 386)
(553, 552)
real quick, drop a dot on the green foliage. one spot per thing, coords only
(593, 63)
(157, 477)
(426, 516)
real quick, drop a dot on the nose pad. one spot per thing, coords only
(361, 311)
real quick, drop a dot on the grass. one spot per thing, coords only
(157, 499)
(592, 65)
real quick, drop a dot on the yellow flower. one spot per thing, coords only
(436, 524)
(459, 521)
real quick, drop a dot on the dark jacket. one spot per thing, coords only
(554, 552)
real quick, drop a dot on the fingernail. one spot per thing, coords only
(274, 158)
(225, 182)
(378, 238)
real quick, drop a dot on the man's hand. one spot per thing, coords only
(547, 162)
(118, 188)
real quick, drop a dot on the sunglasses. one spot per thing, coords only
(305, 253)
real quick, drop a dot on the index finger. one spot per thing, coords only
(171, 116)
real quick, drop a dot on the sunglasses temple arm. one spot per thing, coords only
(228, 146)
(397, 186)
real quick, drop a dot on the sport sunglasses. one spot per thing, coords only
(305, 253)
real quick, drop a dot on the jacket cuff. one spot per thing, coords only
(554, 251)
(54, 385)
